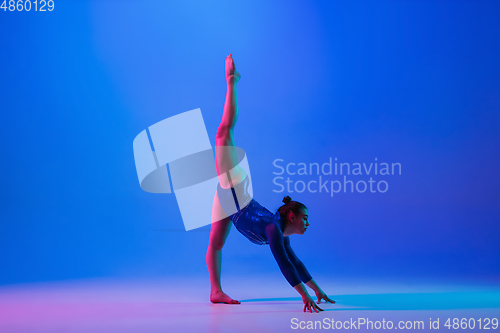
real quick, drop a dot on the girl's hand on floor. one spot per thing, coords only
(321, 295)
(310, 305)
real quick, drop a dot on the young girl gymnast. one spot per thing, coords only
(254, 221)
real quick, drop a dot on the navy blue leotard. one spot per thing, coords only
(261, 227)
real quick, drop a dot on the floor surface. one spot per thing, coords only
(181, 305)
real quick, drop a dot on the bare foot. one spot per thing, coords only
(232, 75)
(237, 76)
(222, 297)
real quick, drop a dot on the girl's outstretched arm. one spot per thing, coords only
(304, 274)
(276, 243)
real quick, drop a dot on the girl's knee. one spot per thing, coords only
(216, 245)
(223, 132)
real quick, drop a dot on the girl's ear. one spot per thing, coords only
(290, 216)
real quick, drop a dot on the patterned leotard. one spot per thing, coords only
(260, 226)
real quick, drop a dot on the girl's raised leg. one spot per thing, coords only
(225, 161)
(225, 150)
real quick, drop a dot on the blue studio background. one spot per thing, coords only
(409, 82)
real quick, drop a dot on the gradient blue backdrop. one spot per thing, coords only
(413, 82)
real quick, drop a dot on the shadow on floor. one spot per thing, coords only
(415, 301)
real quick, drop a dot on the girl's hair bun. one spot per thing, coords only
(287, 199)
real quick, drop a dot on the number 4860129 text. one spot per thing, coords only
(27, 5)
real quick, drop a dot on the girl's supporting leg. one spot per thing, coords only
(218, 235)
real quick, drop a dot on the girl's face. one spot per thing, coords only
(300, 222)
